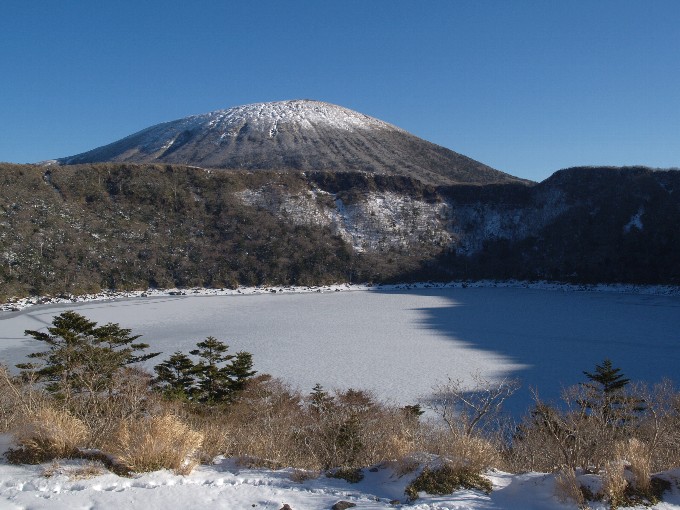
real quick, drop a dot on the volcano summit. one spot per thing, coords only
(299, 135)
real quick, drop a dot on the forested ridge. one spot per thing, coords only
(79, 229)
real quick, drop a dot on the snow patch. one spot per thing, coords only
(226, 486)
(377, 222)
(635, 221)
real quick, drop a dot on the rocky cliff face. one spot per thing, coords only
(380, 220)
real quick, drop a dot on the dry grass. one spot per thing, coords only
(302, 475)
(17, 399)
(47, 434)
(157, 442)
(614, 483)
(130, 396)
(87, 470)
(405, 465)
(215, 432)
(474, 451)
(638, 456)
(53, 469)
(568, 488)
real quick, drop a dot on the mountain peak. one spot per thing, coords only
(299, 135)
(305, 112)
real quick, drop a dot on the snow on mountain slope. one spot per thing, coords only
(381, 220)
(293, 135)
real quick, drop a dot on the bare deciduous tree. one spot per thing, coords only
(466, 409)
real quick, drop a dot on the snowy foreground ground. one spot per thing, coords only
(224, 485)
(396, 341)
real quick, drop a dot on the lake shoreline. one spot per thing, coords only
(20, 304)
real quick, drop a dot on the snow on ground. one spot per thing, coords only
(400, 341)
(225, 485)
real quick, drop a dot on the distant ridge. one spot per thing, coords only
(300, 135)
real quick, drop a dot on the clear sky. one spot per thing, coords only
(527, 87)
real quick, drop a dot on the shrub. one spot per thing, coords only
(265, 422)
(47, 434)
(17, 399)
(637, 454)
(467, 410)
(90, 469)
(157, 442)
(302, 475)
(614, 484)
(568, 488)
(351, 475)
(447, 479)
(477, 453)
(129, 396)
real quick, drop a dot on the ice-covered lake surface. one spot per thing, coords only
(400, 343)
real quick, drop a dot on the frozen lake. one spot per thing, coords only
(399, 343)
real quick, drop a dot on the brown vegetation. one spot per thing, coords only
(84, 228)
(624, 434)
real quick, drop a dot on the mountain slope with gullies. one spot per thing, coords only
(82, 228)
(298, 135)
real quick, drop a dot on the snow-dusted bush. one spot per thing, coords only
(156, 442)
(47, 433)
(568, 488)
(445, 479)
(614, 483)
(638, 457)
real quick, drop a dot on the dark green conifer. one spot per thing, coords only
(176, 376)
(319, 399)
(240, 370)
(81, 356)
(213, 380)
(611, 379)
(607, 397)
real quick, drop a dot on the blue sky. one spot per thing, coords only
(527, 87)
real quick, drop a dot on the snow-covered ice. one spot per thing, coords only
(401, 341)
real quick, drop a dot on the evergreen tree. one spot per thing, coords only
(609, 378)
(606, 395)
(240, 370)
(176, 376)
(213, 380)
(81, 357)
(320, 400)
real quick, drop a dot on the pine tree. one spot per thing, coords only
(213, 380)
(240, 370)
(176, 376)
(81, 357)
(319, 399)
(606, 395)
(610, 378)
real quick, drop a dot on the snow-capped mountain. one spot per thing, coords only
(300, 135)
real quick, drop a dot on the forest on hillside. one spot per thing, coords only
(80, 229)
